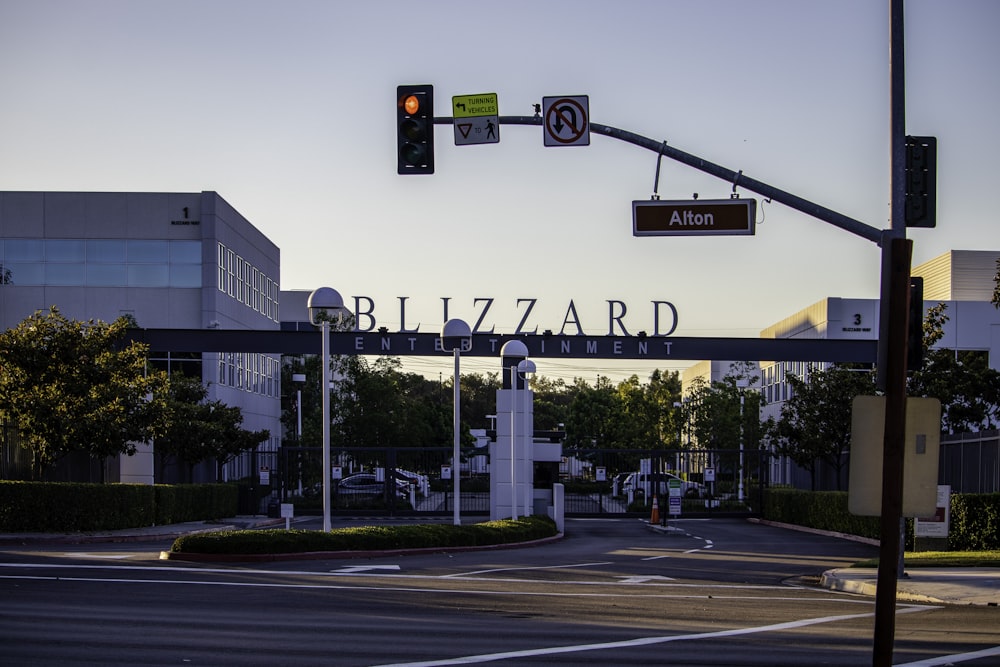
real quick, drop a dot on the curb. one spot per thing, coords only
(25, 539)
(869, 588)
(815, 531)
(347, 554)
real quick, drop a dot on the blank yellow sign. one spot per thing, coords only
(920, 456)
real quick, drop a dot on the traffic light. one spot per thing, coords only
(921, 181)
(915, 334)
(415, 129)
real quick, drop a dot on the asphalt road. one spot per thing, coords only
(718, 592)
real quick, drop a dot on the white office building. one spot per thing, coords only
(961, 279)
(170, 260)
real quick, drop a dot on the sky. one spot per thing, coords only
(287, 110)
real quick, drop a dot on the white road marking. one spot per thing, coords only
(101, 556)
(708, 545)
(643, 580)
(833, 595)
(355, 569)
(515, 569)
(641, 641)
(952, 659)
(449, 591)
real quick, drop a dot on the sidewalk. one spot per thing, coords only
(146, 534)
(944, 585)
(937, 585)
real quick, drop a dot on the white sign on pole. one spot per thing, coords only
(674, 503)
(937, 525)
(566, 120)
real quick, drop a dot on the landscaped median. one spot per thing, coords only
(943, 559)
(357, 542)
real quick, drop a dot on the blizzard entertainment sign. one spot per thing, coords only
(664, 318)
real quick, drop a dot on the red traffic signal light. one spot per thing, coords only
(415, 129)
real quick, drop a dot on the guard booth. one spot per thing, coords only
(524, 471)
(547, 455)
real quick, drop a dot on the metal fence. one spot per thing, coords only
(598, 482)
(379, 481)
(610, 482)
(970, 462)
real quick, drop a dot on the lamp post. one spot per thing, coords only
(741, 384)
(324, 303)
(456, 336)
(298, 379)
(524, 368)
(512, 355)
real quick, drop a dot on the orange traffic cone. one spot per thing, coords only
(655, 516)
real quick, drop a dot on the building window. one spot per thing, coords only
(102, 262)
(247, 284)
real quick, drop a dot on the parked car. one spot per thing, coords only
(638, 482)
(367, 484)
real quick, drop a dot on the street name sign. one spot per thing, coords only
(476, 119)
(697, 217)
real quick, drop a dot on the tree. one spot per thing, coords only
(969, 390)
(664, 393)
(479, 397)
(815, 423)
(996, 287)
(552, 400)
(199, 430)
(69, 386)
(715, 409)
(595, 415)
(377, 405)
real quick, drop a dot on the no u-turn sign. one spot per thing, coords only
(566, 120)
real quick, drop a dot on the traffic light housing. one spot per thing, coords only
(415, 129)
(915, 334)
(921, 181)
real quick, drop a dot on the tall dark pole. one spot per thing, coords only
(894, 313)
(890, 544)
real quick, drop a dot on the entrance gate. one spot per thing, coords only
(703, 482)
(406, 481)
(380, 481)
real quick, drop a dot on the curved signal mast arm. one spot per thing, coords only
(844, 222)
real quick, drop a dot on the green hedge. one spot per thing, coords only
(975, 518)
(75, 507)
(194, 502)
(366, 538)
(975, 522)
(824, 510)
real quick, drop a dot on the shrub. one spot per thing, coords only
(46, 506)
(975, 518)
(824, 510)
(975, 522)
(76, 507)
(366, 538)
